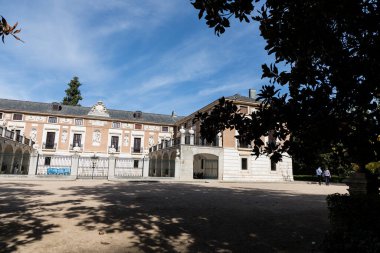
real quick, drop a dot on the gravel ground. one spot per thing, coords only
(103, 216)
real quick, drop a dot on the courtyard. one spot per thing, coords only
(106, 216)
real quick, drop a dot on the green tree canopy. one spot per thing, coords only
(330, 50)
(73, 95)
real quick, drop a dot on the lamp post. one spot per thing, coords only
(94, 160)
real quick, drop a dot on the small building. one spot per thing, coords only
(187, 156)
(97, 142)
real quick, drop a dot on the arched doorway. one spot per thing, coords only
(25, 163)
(205, 166)
(165, 165)
(152, 166)
(158, 166)
(17, 162)
(8, 156)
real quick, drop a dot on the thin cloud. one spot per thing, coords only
(149, 55)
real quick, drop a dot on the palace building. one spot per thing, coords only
(51, 139)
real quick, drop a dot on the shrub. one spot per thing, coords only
(354, 224)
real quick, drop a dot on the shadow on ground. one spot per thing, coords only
(20, 223)
(199, 218)
(164, 217)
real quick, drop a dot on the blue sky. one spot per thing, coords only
(148, 55)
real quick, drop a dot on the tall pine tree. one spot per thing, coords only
(73, 93)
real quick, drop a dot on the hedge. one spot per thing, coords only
(312, 178)
(354, 224)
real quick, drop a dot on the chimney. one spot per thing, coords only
(56, 106)
(173, 114)
(252, 93)
(137, 114)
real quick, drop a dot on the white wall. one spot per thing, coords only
(257, 169)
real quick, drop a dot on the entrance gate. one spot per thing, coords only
(93, 168)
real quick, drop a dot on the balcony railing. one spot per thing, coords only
(9, 134)
(177, 141)
(78, 145)
(203, 142)
(19, 138)
(4, 132)
(241, 144)
(27, 140)
(116, 148)
(51, 146)
(137, 150)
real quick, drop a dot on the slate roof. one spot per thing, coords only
(242, 98)
(81, 111)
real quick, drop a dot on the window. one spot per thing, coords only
(273, 166)
(136, 145)
(77, 140)
(115, 142)
(138, 126)
(165, 129)
(17, 116)
(242, 143)
(244, 109)
(244, 163)
(50, 138)
(135, 163)
(79, 122)
(1, 115)
(47, 160)
(52, 120)
(115, 124)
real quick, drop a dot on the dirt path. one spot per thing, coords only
(102, 216)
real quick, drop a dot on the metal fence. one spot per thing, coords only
(129, 167)
(54, 165)
(93, 168)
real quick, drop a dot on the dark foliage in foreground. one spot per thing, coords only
(329, 53)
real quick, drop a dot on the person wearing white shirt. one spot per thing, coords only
(319, 175)
(327, 176)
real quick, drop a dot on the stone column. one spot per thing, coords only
(32, 170)
(11, 165)
(191, 132)
(182, 131)
(145, 167)
(14, 134)
(177, 167)
(111, 166)
(74, 165)
(220, 139)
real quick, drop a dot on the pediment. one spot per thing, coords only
(99, 109)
